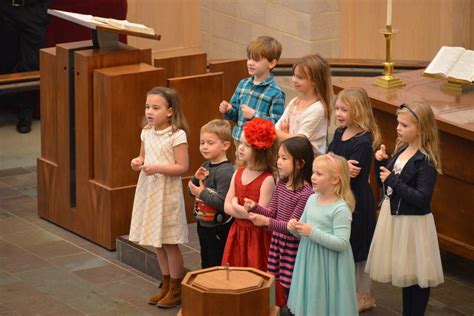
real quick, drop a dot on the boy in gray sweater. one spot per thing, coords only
(210, 185)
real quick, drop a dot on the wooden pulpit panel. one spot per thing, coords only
(183, 65)
(200, 96)
(86, 61)
(47, 162)
(234, 70)
(54, 176)
(119, 107)
(453, 198)
(66, 195)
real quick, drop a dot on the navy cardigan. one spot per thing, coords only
(413, 187)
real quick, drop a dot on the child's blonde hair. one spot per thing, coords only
(317, 70)
(337, 166)
(173, 101)
(424, 119)
(360, 111)
(264, 47)
(221, 128)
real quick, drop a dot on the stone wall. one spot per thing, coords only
(302, 26)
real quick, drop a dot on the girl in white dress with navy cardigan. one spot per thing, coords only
(405, 249)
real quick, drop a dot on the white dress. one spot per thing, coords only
(309, 122)
(404, 250)
(159, 215)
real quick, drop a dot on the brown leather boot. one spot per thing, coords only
(164, 288)
(173, 297)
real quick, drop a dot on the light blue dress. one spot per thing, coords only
(324, 275)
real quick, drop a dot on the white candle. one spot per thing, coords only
(389, 12)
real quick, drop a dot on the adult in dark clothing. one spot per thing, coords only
(22, 29)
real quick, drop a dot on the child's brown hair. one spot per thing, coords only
(264, 47)
(173, 101)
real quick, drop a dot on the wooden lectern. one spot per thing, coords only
(453, 199)
(92, 105)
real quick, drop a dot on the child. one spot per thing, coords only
(247, 245)
(405, 248)
(354, 140)
(295, 157)
(258, 95)
(210, 185)
(324, 278)
(158, 217)
(308, 114)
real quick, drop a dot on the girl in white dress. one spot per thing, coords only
(308, 114)
(158, 217)
(404, 250)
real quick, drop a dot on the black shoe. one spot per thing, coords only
(23, 126)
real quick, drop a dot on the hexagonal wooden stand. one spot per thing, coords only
(236, 292)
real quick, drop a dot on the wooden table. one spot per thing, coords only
(453, 200)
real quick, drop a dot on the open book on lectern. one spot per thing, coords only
(455, 64)
(106, 24)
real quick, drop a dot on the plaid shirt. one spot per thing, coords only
(266, 98)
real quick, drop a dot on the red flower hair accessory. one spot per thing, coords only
(260, 133)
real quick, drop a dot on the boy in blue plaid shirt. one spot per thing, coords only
(258, 95)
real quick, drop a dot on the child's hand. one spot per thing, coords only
(353, 170)
(225, 107)
(136, 163)
(303, 229)
(249, 205)
(150, 169)
(259, 220)
(201, 173)
(291, 226)
(384, 173)
(247, 111)
(196, 190)
(381, 154)
(284, 126)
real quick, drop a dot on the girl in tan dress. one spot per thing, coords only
(158, 217)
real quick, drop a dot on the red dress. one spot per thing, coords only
(247, 245)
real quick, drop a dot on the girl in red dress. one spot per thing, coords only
(247, 245)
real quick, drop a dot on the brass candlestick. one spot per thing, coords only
(388, 80)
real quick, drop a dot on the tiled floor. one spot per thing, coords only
(49, 271)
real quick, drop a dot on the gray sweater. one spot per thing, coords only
(217, 184)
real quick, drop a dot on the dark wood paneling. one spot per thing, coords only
(185, 65)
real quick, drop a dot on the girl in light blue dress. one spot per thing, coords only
(324, 275)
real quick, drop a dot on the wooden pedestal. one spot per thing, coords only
(82, 184)
(215, 291)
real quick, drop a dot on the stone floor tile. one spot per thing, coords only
(22, 262)
(78, 262)
(53, 249)
(31, 237)
(20, 181)
(18, 202)
(17, 291)
(104, 274)
(13, 172)
(14, 225)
